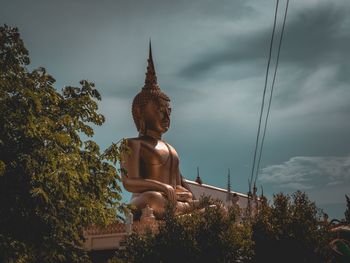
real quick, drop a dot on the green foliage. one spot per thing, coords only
(52, 184)
(203, 236)
(291, 230)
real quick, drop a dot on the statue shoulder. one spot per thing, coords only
(133, 143)
(171, 148)
(137, 143)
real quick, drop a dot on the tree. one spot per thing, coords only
(202, 236)
(52, 184)
(291, 230)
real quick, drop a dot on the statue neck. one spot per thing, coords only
(152, 134)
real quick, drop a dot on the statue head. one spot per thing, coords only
(151, 107)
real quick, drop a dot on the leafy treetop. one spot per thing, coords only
(52, 184)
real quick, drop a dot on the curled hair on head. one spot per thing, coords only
(139, 103)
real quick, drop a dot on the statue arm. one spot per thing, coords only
(184, 191)
(185, 184)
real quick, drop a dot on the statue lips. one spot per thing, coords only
(165, 125)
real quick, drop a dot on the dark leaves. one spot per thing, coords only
(52, 185)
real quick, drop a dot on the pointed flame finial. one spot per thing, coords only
(151, 78)
(228, 196)
(198, 179)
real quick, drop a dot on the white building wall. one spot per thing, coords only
(217, 193)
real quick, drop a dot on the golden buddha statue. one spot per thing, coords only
(152, 168)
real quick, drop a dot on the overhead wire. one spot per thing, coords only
(263, 97)
(271, 92)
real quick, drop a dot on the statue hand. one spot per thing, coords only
(170, 193)
(183, 194)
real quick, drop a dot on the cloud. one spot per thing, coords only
(314, 35)
(318, 95)
(303, 172)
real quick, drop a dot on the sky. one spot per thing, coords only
(210, 58)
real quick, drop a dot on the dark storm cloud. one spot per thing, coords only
(175, 91)
(235, 51)
(104, 41)
(227, 9)
(313, 36)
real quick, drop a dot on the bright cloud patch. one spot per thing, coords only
(304, 172)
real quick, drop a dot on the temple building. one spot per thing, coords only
(228, 198)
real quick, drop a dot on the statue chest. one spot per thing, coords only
(159, 162)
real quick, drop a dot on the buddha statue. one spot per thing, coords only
(152, 167)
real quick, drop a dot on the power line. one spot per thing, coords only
(271, 93)
(263, 98)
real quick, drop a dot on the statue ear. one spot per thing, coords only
(142, 126)
(138, 113)
(141, 122)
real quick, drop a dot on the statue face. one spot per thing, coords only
(156, 115)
